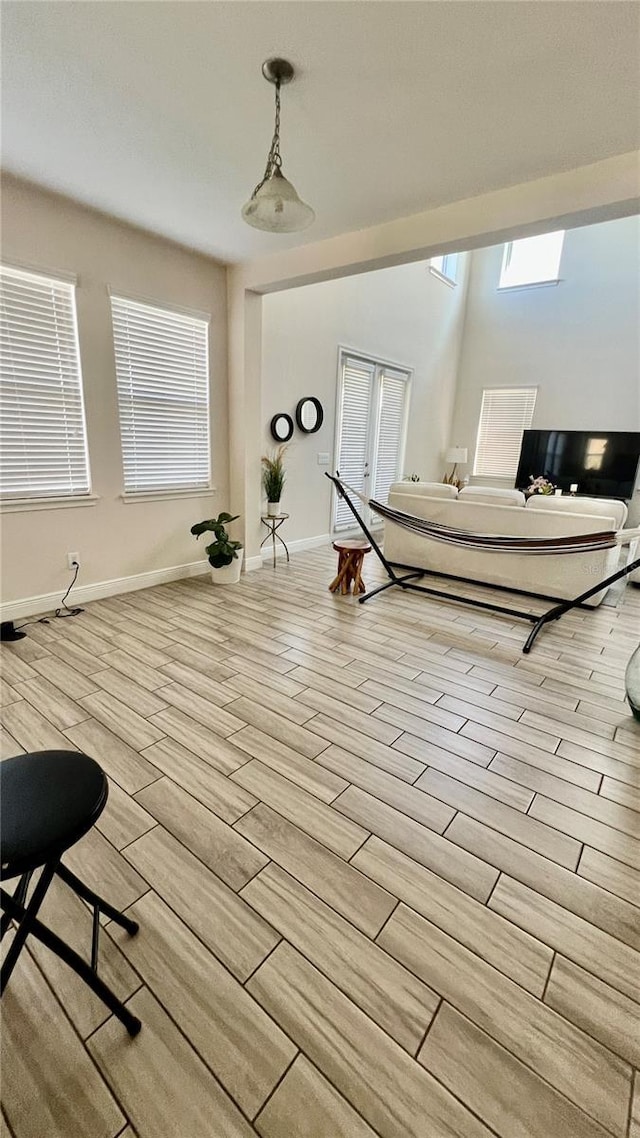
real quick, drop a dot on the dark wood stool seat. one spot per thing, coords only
(350, 559)
(48, 801)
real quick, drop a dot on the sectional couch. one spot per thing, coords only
(484, 509)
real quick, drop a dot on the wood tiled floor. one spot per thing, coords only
(386, 868)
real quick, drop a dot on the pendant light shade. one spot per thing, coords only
(277, 208)
(274, 205)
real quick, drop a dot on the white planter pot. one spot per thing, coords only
(228, 574)
(273, 509)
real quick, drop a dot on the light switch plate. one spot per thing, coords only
(323, 458)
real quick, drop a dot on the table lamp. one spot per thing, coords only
(454, 455)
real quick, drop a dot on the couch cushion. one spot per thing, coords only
(430, 489)
(593, 507)
(493, 496)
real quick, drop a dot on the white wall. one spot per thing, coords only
(601, 190)
(578, 341)
(114, 540)
(402, 315)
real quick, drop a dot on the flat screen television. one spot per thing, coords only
(603, 464)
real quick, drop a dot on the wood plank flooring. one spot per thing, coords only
(386, 868)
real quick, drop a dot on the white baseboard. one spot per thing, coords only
(82, 594)
(296, 546)
(251, 563)
(29, 606)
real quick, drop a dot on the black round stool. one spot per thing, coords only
(48, 801)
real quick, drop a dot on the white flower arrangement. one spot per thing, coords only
(539, 485)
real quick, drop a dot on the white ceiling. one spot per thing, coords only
(157, 113)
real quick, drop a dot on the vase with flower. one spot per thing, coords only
(539, 485)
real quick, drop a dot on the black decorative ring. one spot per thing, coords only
(319, 415)
(289, 422)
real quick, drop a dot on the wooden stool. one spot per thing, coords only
(350, 559)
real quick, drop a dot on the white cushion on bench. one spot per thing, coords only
(565, 504)
(493, 495)
(430, 489)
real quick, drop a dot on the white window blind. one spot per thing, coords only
(43, 449)
(162, 368)
(390, 435)
(371, 427)
(506, 412)
(532, 260)
(353, 440)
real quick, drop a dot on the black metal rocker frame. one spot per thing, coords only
(27, 924)
(408, 581)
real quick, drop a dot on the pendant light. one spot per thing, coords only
(274, 204)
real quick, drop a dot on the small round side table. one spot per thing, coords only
(273, 523)
(350, 560)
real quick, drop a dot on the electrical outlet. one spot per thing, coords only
(73, 559)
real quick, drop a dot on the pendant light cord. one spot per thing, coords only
(274, 161)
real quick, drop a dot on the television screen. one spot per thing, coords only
(603, 464)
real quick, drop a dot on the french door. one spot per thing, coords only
(371, 423)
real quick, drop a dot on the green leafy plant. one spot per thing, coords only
(273, 474)
(221, 551)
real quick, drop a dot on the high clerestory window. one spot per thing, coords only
(445, 267)
(532, 261)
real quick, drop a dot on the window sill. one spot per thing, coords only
(21, 505)
(166, 495)
(443, 278)
(531, 284)
(506, 481)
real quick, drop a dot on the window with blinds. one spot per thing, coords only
(371, 430)
(506, 412)
(43, 445)
(162, 369)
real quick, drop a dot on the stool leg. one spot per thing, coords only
(335, 583)
(346, 580)
(26, 920)
(20, 896)
(342, 569)
(353, 570)
(87, 894)
(358, 583)
(58, 946)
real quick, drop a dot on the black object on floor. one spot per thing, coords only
(48, 801)
(8, 631)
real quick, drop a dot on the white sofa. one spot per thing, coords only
(482, 509)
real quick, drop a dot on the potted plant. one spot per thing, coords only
(222, 553)
(273, 479)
